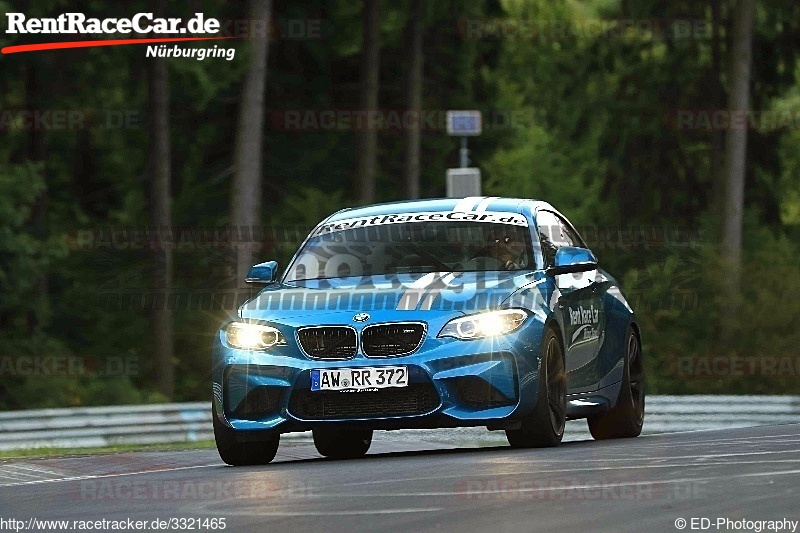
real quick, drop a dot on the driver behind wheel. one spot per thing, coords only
(508, 249)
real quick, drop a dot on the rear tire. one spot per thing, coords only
(544, 426)
(626, 418)
(237, 453)
(341, 443)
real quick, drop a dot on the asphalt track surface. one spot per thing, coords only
(642, 484)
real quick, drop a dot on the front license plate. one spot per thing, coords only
(359, 378)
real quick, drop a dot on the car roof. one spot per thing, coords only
(471, 203)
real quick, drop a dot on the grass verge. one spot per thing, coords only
(55, 452)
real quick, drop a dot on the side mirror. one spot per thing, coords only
(262, 273)
(570, 259)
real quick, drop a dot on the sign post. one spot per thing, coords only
(463, 181)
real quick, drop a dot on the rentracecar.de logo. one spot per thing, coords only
(78, 23)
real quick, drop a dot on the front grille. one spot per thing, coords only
(328, 342)
(416, 399)
(386, 340)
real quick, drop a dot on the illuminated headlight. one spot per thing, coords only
(484, 325)
(247, 336)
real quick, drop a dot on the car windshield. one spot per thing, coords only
(415, 247)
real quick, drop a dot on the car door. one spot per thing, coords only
(581, 313)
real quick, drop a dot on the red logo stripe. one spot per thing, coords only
(87, 44)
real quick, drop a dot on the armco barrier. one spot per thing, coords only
(82, 427)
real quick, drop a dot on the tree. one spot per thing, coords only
(415, 75)
(370, 68)
(717, 99)
(160, 170)
(246, 196)
(37, 153)
(736, 153)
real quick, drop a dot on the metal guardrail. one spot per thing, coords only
(83, 427)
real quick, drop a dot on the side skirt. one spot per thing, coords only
(585, 404)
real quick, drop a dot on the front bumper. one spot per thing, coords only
(451, 384)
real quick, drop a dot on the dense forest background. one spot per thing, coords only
(619, 113)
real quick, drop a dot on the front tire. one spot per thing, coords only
(544, 427)
(626, 418)
(342, 444)
(237, 453)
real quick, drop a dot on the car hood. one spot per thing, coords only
(409, 296)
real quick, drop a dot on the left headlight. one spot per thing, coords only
(484, 325)
(248, 336)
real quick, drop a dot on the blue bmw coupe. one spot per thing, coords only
(479, 311)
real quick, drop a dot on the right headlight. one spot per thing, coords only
(483, 325)
(249, 336)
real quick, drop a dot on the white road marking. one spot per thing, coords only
(517, 461)
(586, 486)
(7, 476)
(726, 442)
(104, 476)
(30, 468)
(13, 474)
(512, 475)
(19, 472)
(708, 456)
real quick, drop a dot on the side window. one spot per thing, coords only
(570, 234)
(553, 234)
(549, 236)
